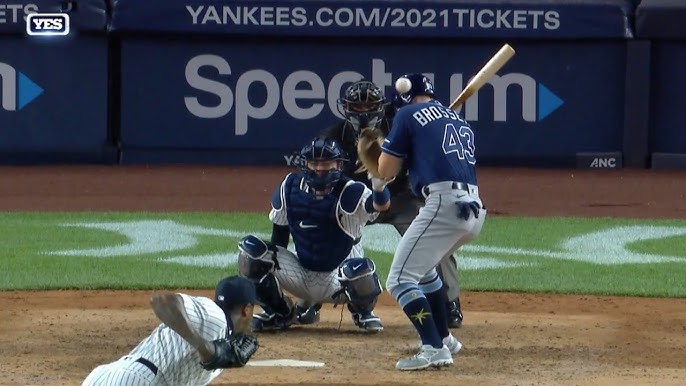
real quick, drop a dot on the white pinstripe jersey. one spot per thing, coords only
(177, 361)
(351, 223)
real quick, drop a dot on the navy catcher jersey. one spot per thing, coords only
(436, 143)
(325, 231)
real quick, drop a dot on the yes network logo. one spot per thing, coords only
(47, 24)
(18, 90)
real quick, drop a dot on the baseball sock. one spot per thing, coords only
(438, 301)
(419, 313)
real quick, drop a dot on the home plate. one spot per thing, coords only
(284, 362)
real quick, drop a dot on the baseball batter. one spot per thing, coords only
(438, 146)
(363, 104)
(174, 352)
(324, 212)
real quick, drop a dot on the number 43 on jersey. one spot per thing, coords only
(459, 140)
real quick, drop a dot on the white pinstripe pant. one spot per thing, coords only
(124, 372)
(309, 286)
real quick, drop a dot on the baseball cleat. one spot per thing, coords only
(452, 344)
(367, 321)
(428, 356)
(308, 315)
(454, 314)
(449, 341)
(270, 322)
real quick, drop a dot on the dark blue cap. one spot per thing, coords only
(419, 85)
(234, 291)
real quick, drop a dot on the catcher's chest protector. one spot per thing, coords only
(320, 243)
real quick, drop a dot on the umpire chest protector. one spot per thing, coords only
(320, 242)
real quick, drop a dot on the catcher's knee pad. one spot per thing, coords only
(256, 258)
(360, 283)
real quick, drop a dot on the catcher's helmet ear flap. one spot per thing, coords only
(322, 149)
(419, 85)
(362, 104)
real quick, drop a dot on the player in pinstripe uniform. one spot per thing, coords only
(324, 212)
(172, 354)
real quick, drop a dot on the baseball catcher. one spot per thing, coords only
(368, 118)
(324, 212)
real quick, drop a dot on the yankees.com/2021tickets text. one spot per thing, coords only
(381, 17)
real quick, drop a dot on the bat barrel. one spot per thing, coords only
(504, 54)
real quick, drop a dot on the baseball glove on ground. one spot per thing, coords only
(368, 150)
(234, 351)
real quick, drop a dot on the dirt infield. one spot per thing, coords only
(56, 338)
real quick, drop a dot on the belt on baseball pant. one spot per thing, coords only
(147, 364)
(446, 186)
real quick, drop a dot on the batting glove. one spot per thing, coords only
(464, 209)
(378, 183)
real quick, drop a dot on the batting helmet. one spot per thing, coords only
(362, 104)
(419, 85)
(322, 150)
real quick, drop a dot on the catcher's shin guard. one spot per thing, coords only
(454, 314)
(307, 315)
(362, 287)
(365, 320)
(278, 308)
(265, 321)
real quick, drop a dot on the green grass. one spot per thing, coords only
(636, 280)
(536, 246)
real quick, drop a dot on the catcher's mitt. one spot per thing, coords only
(368, 150)
(234, 351)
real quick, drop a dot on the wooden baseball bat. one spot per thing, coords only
(487, 71)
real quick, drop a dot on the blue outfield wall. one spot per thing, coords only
(248, 82)
(663, 22)
(251, 81)
(271, 98)
(54, 89)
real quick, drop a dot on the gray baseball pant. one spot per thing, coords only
(432, 238)
(404, 208)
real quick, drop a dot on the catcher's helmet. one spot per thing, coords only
(322, 150)
(362, 104)
(420, 85)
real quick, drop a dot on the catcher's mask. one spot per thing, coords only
(321, 163)
(421, 85)
(362, 104)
